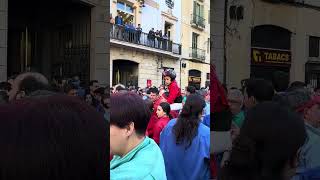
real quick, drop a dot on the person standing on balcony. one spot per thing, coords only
(138, 32)
(160, 38)
(174, 90)
(126, 31)
(165, 41)
(157, 37)
(151, 37)
(119, 24)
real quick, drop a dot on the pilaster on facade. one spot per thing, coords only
(217, 20)
(99, 66)
(3, 38)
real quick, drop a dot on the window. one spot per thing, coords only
(124, 7)
(120, 5)
(195, 40)
(129, 9)
(313, 46)
(208, 76)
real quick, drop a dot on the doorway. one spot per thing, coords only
(125, 72)
(51, 38)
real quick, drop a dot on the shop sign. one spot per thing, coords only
(194, 79)
(263, 56)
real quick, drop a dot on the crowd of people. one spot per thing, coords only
(60, 130)
(53, 131)
(160, 132)
(267, 129)
(35, 84)
(128, 32)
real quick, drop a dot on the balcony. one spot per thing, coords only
(132, 36)
(197, 21)
(197, 54)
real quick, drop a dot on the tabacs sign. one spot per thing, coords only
(261, 56)
(194, 79)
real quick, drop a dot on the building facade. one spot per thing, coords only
(195, 40)
(267, 36)
(137, 58)
(59, 39)
(217, 37)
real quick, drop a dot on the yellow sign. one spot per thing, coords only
(194, 79)
(270, 56)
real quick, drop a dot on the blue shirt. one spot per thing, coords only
(207, 109)
(206, 120)
(144, 162)
(186, 164)
(309, 157)
(119, 20)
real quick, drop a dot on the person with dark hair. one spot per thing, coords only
(88, 99)
(70, 89)
(174, 91)
(280, 81)
(185, 143)
(97, 101)
(190, 90)
(268, 145)
(93, 85)
(163, 114)
(55, 137)
(157, 99)
(136, 156)
(105, 100)
(257, 91)
(30, 84)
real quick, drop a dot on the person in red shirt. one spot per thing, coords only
(163, 113)
(156, 98)
(174, 91)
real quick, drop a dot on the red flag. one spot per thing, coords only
(218, 97)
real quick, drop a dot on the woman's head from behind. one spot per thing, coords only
(268, 145)
(188, 121)
(163, 110)
(56, 137)
(129, 117)
(193, 106)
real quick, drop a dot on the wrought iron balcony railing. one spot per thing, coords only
(197, 54)
(131, 35)
(198, 21)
